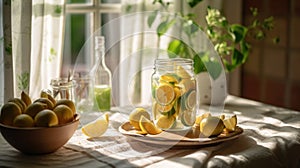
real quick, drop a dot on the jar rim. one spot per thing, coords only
(62, 82)
(172, 61)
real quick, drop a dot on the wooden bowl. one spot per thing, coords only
(39, 140)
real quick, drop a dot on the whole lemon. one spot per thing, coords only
(46, 118)
(23, 120)
(35, 108)
(68, 103)
(63, 113)
(19, 102)
(8, 113)
(211, 126)
(49, 103)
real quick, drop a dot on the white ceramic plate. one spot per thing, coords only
(184, 138)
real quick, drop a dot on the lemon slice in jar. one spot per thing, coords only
(169, 78)
(165, 94)
(165, 122)
(164, 108)
(188, 118)
(187, 84)
(180, 71)
(96, 128)
(191, 99)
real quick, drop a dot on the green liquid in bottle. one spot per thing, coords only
(102, 97)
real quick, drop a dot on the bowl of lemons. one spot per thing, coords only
(38, 127)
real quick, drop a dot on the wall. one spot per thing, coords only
(272, 72)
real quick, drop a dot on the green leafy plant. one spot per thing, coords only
(231, 41)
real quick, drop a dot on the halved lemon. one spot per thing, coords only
(165, 94)
(96, 128)
(147, 126)
(211, 126)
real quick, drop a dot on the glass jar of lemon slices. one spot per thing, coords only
(174, 94)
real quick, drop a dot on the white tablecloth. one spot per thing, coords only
(271, 138)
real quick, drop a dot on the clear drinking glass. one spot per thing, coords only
(173, 94)
(84, 93)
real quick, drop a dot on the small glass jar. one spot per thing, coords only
(62, 88)
(174, 94)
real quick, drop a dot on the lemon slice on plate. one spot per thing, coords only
(96, 128)
(147, 126)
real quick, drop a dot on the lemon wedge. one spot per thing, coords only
(147, 126)
(96, 128)
(230, 123)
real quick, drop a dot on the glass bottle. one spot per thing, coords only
(173, 94)
(102, 85)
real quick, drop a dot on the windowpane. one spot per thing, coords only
(111, 31)
(77, 31)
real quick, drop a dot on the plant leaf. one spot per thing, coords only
(152, 17)
(190, 27)
(164, 26)
(245, 48)
(214, 68)
(193, 3)
(198, 63)
(174, 48)
(237, 58)
(239, 32)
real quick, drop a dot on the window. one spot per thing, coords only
(83, 18)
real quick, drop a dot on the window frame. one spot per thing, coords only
(96, 8)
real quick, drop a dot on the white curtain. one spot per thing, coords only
(138, 46)
(32, 45)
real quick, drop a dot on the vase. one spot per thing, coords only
(211, 91)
